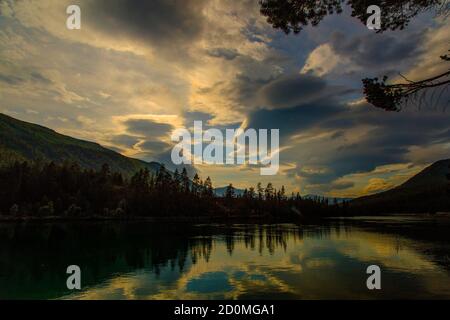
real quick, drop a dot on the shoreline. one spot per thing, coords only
(207, 219)
(179, 219)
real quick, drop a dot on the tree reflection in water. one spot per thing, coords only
(172, 260)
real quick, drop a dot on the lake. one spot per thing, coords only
(143, 260)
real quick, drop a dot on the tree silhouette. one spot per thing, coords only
(392, 97)
(294, 15)
(269, 192)
(260, 191)
(185, 181)
(208, 188)
(65, 190)
(230, 192)
(196, 185)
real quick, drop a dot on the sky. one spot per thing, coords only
(138, 70)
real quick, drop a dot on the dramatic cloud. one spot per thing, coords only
(341, 185)
(368, 139)
(297, 103)
(139, 69)
(375, 50)
(154, 146)
(160, 22)
(148, 128)
(292, 91)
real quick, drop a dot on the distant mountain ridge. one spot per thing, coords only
(330, 199)
(434, 175)
(20, 140)
(427, 191)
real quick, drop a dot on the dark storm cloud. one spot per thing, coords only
(148, 128)
(293, 120)
(154, 146)
(378, 50)
(296, 103)
(389, 142)
(361, 158)
(351, 160)
(421, 122)
(291, 90)
(246, 88)
(319, 109)
(443, 137)
(191, 116)
(385, 137)
(241, 91)
(161, 22)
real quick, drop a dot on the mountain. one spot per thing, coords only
(330, 199)
(22, 141)
(427, 191)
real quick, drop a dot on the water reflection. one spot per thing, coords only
(150, 261)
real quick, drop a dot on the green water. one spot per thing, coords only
(138, 260)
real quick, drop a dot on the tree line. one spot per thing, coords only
(68, 190)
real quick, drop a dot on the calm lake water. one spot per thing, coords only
(136, 260)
